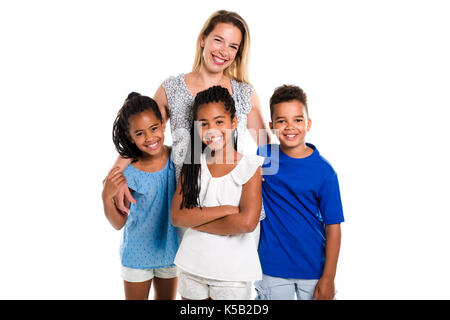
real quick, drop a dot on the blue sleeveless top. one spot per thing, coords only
(149, 239)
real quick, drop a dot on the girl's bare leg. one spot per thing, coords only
(183, 298)
(165, 289)
(137, 290)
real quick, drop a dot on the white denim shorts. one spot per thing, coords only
(193, 287)
(141, 275)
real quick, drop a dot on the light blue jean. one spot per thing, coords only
(274, 288)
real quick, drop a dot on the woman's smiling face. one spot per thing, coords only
(221, 46)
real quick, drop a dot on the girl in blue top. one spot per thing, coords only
(149, 241)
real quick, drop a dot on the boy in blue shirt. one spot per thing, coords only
(300, 236)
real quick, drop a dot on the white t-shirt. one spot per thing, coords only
(227, 258)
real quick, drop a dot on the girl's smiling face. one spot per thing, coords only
(147, 132)
(215, 125)
(221, 46)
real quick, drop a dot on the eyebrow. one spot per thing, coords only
(282, 117)
(213, 118)
(153, 125)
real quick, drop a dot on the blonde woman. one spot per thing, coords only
(221, 58)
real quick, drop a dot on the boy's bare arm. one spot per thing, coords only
(248, 217)
(325, 286)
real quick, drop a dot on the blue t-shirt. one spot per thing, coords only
(300, 196)
(149, 239)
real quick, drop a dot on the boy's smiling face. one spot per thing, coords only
(290, 122)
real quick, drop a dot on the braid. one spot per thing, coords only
(191, 170)
(190, 174)
(215, 94)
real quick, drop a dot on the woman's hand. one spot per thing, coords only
(113, 183)
(117, 190)
(123, 198)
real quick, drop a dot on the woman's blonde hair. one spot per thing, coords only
(238, 70)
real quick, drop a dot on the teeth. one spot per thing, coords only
(218, 59)
(152, 145)
(291, 135)
(214, 139)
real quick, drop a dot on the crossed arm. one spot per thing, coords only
(219, 220)
(190, 218)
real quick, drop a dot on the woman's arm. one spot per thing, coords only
(256, 125)
(121, 163)
(161, 99)
(248, 217)
(189, 218)
(113, 183)
(123, 197)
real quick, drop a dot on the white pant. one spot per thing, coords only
(194, 287)
(141, 275)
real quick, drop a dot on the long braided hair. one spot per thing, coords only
(191, 170)
(134, 104)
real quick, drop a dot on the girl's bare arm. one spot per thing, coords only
(123, 197)
(190, 218)
(113, 182)
(249, 210)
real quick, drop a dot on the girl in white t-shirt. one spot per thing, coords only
(218, 198)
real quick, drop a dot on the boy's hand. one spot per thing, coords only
(113, 183)
(324, 289)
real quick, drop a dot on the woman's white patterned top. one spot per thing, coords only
(180, 102)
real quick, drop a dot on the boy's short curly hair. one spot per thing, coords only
(286, 93)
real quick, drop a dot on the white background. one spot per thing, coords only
(377, 78)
